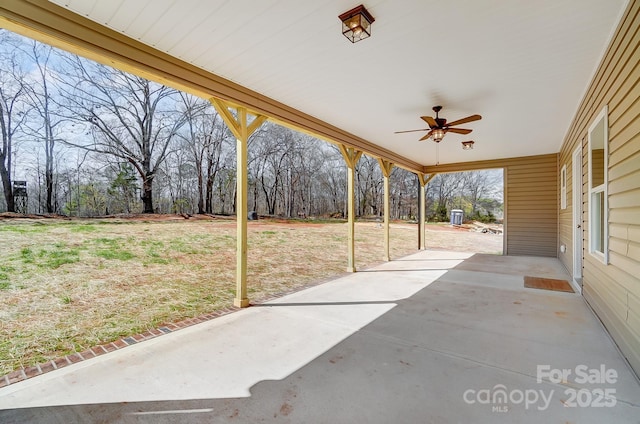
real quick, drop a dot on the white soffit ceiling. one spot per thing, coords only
(523, 65)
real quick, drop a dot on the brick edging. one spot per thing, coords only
(54, 364)
(57, 363)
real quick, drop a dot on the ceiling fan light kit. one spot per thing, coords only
(356, 24)
(437, 135)
(467, 145)
(438, 128)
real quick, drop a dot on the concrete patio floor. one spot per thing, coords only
(436, 337)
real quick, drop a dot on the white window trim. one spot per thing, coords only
(603, 188)
(563, 187)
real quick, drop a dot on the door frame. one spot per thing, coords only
(577, 221)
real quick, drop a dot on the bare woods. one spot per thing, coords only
(90, 140)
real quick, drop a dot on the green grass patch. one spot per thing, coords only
(111, 248)
(7, 268)
(184, 246)
(84, 228)
(23, 228)
(121, 255)
(154, 250)
(56, 258)
(157, 260)
(152, 243)
(112, 242)
(27, 255)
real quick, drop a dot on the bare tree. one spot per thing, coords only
(13, 110)
(332, 181)
(127, 117)
(46, 123)
(269, 148)
(369, 184)
(404, 192)
(203, 136)
(307, 162)
(226, 187)
(481, 184)
(131, 129)
(441, 191)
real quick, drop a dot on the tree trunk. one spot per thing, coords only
(6, 183)
(200, 187)
(255, 197)
(147, 195)
(209, 196)
(48, 173)
(235, 199)
(48, 178)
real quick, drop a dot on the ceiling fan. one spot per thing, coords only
(438, 127)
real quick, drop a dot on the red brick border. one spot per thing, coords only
(42, 368)
(57, 363)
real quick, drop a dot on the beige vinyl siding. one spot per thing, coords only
(613, 290)
(531, 193)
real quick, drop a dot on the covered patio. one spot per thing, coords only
(436, 337)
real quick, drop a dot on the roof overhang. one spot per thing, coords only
(522, 65)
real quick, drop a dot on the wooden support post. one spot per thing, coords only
(239, 126)
(423, 180)
(351, 157)
(386, 168)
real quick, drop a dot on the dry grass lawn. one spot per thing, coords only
(68, 285)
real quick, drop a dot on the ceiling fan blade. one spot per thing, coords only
(465, 120)
(430, 121)
(458, 130)
(426, 136)
(400, 132)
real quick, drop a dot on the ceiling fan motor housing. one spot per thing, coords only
(440, 121)
(438, 126)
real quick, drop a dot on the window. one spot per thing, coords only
(563, 187)
(598, 208)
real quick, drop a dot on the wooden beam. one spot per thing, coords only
(487, 164)
(351, 157)
(223, 110)
(423, 180)
(386, 168)
(240, 127)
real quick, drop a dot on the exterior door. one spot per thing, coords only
(577, 218)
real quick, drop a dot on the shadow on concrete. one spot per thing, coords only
(430, 359)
